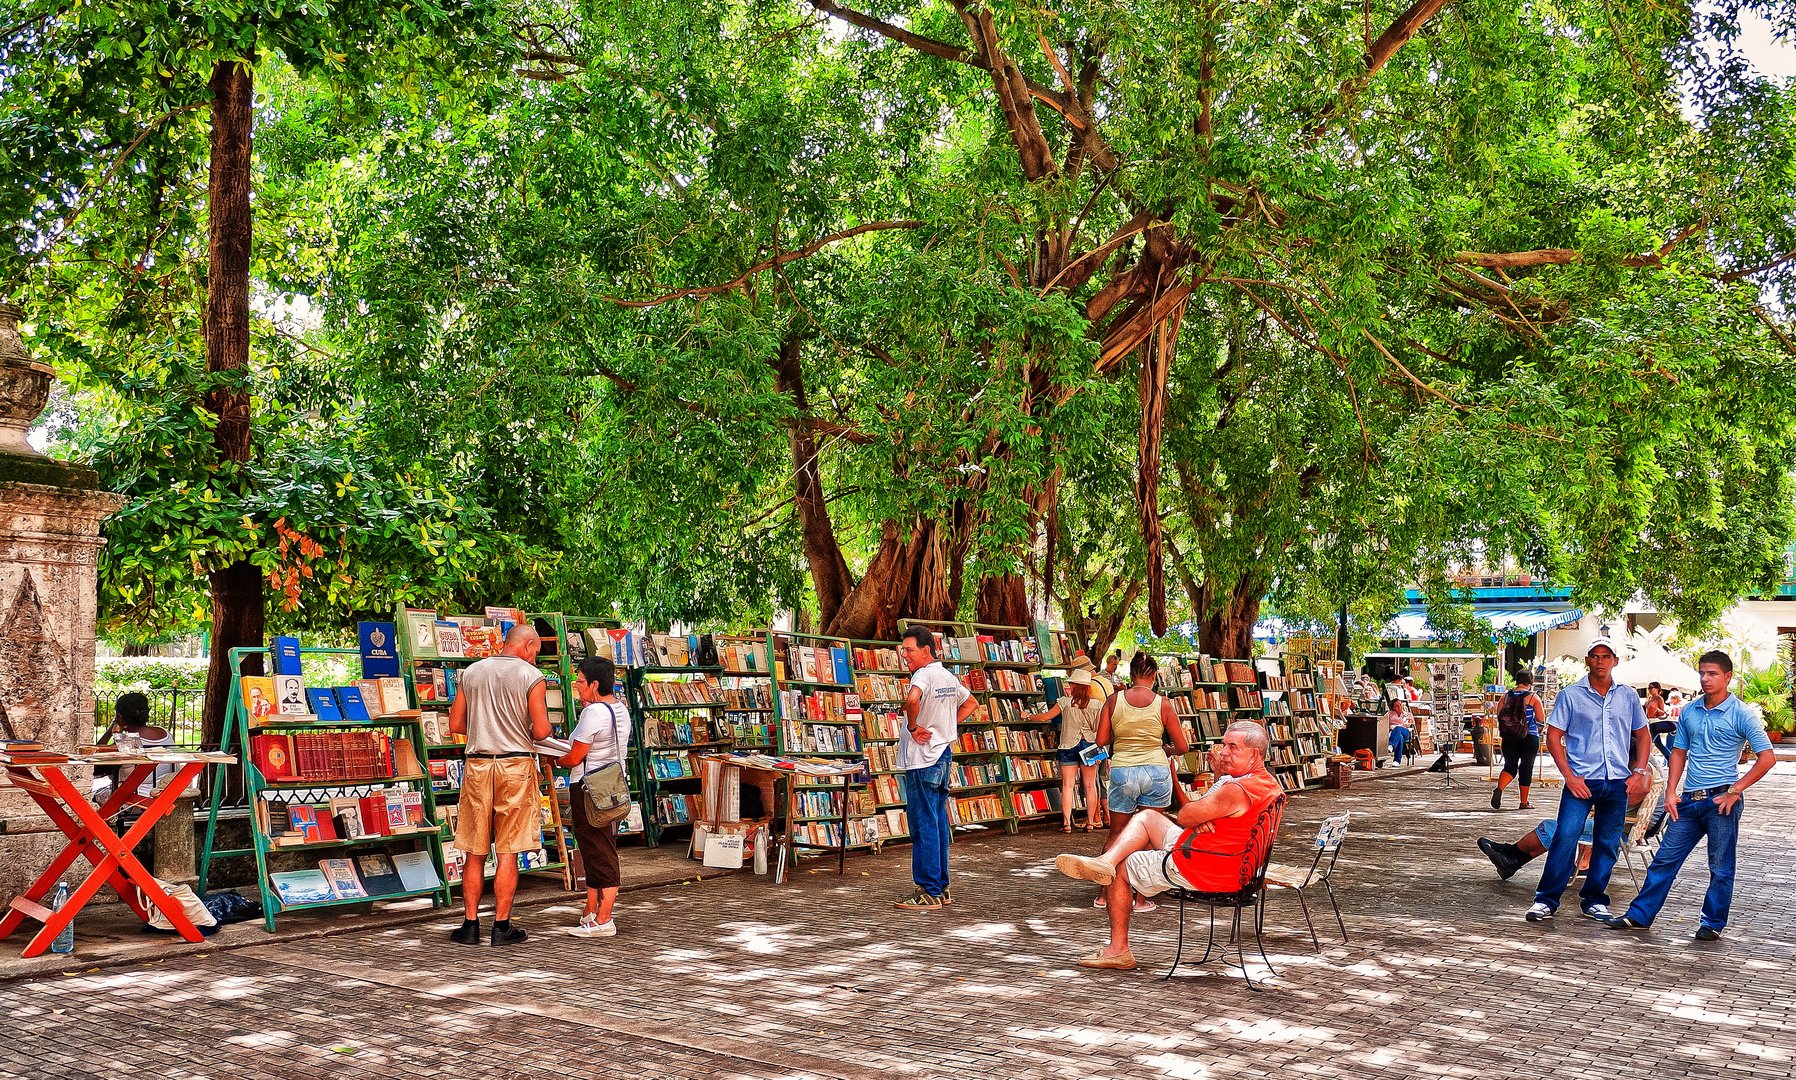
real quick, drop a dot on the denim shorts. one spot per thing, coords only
(1071, 756)
(1139, 787)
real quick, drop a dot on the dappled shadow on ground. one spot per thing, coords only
(824, 977)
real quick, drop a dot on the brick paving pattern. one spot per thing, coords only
(739, 978)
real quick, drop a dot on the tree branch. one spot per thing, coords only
(1377, 56)
(1748, 271)
(781, 259)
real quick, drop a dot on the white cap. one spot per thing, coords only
(1614, 650)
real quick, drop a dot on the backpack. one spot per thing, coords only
(1512, 715)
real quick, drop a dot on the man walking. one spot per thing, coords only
(1711, 734)
(502, 707)
(1598, 738)
(933, 709)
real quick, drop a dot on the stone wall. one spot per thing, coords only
(49, 544)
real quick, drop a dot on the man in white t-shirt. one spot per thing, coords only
(933, 708)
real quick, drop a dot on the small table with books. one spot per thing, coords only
(43, 775)
(809, 823)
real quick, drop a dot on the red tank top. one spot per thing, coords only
(1222, 873)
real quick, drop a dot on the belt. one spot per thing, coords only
(495, 757)
(1706, 793)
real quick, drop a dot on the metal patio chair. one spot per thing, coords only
(1319, 872)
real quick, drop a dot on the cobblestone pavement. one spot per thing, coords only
(739, 978)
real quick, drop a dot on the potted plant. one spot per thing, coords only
(1769, 691)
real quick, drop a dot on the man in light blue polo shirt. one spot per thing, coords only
(1598, 738)
(1711, 733)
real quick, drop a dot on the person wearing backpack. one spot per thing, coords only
(1518, 724)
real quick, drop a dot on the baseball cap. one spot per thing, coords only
(1614, 650)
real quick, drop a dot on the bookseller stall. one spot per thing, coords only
(341, 808)
(435, 648)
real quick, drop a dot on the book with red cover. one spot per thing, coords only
(273, 756)
(374, 814)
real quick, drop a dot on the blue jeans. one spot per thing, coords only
(1697, 819)
(1401, 738)
(926, 803)
(1609, 802)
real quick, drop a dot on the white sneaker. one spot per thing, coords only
(590, 926)
(1539, 913)
(1599, 912)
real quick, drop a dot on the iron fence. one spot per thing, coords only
(182, 714)
(179, 711)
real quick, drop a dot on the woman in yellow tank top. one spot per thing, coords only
(1136, 724)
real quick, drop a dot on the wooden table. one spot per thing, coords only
(791, 771)
(91, 838)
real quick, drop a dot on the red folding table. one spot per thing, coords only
(91, 838)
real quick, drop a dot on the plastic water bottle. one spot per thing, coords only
(65, 941)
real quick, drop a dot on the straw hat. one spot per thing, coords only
(1081, 676)
(1081, 662)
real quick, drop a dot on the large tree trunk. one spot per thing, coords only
(830, 576)
(1226, 631)
(907, 579)
(1002, 601)
(237, 600)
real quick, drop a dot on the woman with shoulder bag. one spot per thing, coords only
(600, 741)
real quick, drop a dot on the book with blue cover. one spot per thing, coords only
(350, 703)
(839, 657)
(380, 649)
(323, 702)
(286, 656)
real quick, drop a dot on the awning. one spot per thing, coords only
(1412, 623)
(1532, 620)
(1446, 652)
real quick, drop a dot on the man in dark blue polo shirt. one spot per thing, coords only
(1705, 754)
(1597, 736)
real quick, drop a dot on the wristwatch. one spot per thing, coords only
(1732, 791)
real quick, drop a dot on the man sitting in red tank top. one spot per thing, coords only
(1220, 821)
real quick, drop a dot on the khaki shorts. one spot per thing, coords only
(500, 806)
(1147, 873)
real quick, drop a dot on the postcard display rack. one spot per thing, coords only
(1446, 685)
(344, 798)
(434, 651)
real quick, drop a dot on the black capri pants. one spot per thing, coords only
(1519, 752)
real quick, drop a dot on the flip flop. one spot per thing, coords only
(1066, 828)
